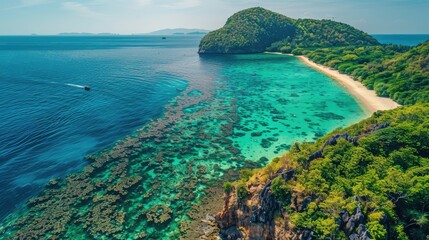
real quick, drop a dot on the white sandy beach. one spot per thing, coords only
(368, 98)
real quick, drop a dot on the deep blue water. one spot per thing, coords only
(48, 124)
(402, 39)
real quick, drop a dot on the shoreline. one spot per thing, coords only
(368, 98)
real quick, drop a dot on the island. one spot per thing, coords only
(256, 30)
(367, 181)
(185, 175)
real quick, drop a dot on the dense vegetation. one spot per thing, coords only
(248, 31)
(322, 33)
(382, 166)
(379, 167)
(392, 71)
(256, 30)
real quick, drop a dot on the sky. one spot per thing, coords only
(45, 17)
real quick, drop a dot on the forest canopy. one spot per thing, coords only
(257, 30)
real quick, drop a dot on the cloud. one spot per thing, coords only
(80, 9)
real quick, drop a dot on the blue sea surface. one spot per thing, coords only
(213, 115)
(402, 39)
(49, 123)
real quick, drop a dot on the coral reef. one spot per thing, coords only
(152, 184)
(158, 214)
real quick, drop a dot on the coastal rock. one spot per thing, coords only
(353, 225)
(257, 219)
(260, 216)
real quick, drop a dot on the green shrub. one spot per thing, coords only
(245, 174)
(242, 191)
(281, 190)
(227, 187)
(297, 51)
(286, 49)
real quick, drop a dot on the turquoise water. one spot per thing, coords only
(231, 112)
(402, 39)
(281, 101)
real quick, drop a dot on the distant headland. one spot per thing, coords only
(87, 34)
(256, 30)
(162, 32)
(179, 31)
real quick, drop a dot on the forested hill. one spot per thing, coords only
(323, 33)
(248, 31)
(257, 30)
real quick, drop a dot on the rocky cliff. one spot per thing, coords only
(261, 216)
(355, 184)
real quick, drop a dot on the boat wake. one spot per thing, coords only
(74, 85)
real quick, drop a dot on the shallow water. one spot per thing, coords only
(237, 111)
(283, 101)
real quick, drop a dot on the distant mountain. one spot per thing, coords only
(173, 31)
(257, 30)
(179, 31)
(197, 33)
(87, 34)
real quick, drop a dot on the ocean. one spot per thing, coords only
(158, 128)
(402, 39)
(49, 123)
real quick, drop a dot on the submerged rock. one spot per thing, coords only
(329, 116)
(265, 143)
(256, 134)
(158, 214)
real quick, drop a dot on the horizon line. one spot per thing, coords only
(71, 34)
